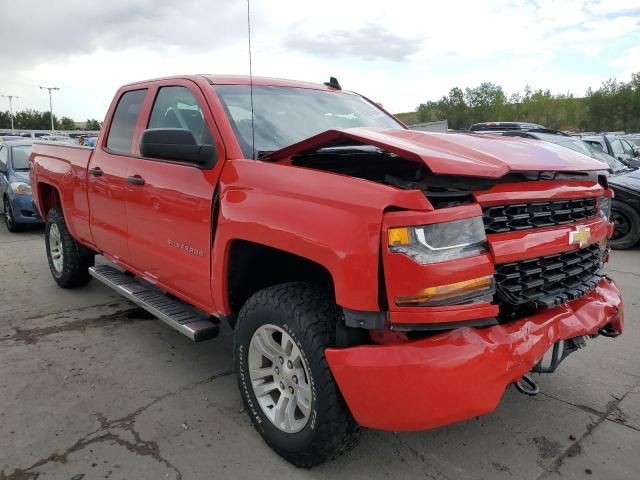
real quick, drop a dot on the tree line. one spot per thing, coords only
(612, 107)
(35, 120)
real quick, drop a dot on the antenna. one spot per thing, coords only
(253, 131)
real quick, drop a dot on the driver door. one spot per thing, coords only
(170, 203)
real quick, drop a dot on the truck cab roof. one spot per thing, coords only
(245, 80)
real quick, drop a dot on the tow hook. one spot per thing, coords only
(527, 386)
(608, 331)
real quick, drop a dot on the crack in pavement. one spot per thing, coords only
(55, 315)
(418, 455)
(633, 274)
(105, 433)
(576, 446)
(32, 335)
(618, 418)
(584, 408)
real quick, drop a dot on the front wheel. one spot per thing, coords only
(9, 221)
(68, 260)
(627, 225)
(284, 379)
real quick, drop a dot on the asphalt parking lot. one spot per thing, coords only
(92, 388)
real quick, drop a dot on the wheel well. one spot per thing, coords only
(253, 266)
(49, 198)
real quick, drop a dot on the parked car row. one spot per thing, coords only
(616, 146)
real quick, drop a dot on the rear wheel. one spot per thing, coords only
(9, 219)
(627, 225)
(69, 261)
(285, 381)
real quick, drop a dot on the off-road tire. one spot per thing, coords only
(76, 258)
(632, 217)
(309, 316)
(9, 221)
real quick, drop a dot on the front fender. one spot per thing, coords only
(330, 219)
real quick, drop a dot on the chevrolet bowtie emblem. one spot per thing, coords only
(581, 236)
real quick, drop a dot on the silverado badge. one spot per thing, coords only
(581, 236)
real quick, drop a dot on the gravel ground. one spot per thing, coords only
(92, 388)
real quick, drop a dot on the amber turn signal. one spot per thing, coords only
(459, 292)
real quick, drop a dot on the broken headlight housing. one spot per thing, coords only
(604, 208)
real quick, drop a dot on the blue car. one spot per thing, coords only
(15, 186)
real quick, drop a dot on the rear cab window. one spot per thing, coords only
(124, 119)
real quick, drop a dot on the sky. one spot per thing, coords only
(399, 53)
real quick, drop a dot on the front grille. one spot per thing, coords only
(548, 281)
(523, 216)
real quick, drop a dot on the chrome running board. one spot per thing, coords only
(186, 319)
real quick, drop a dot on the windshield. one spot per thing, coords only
(286, 115)
(596, 152)
(576, 145)
(20, 157)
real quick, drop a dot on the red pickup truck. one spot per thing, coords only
(374, 276)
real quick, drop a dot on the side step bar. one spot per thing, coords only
(189, 321)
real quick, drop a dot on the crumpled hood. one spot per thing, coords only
(455, 154)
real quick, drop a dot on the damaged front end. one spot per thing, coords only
(504, 266)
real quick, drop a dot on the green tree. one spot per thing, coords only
(93, 124)
(614, 105)
(5, 120)
(66, 124)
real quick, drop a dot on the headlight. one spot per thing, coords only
(21, 188)
(439, 242)
(604, 208)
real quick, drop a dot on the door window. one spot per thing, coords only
(616, 146)
(628, 149)
(123, 122)
(177, 107)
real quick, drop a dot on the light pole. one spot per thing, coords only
(50, 105)
(10, 97)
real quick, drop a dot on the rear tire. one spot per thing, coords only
(627, 225)
(68, 260)
(299, 319)
(9, 221)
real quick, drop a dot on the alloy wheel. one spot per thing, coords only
(55, 247)
(280, 378)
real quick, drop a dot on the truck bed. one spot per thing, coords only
(64, 166)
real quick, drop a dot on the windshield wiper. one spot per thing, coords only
(263, 153)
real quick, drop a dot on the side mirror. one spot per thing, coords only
(176, 144)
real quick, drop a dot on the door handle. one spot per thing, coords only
(136, 180)
(96, 172)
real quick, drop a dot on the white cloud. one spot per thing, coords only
(399, 53)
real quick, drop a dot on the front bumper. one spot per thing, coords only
(23, 209)
(464, 372)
